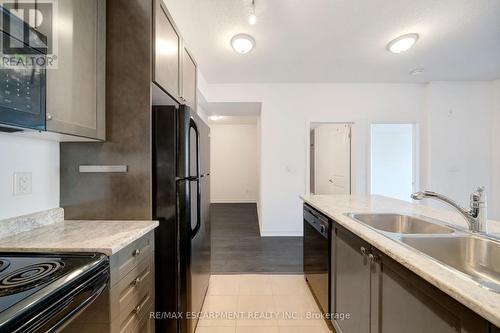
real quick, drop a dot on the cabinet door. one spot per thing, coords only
(75, 87)
(188, 79)
(403, 302)
(166, 52)
(352, 283)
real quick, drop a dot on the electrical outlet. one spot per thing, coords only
(22, 183)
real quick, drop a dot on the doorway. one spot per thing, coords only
(392, 160)
(330, 158)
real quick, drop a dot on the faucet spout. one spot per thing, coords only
(475, 216)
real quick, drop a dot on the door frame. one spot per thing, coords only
(308, 150)
(415, 153)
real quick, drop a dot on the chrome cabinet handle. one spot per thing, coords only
(49, 116)
(136, 282)
(136, 252)
(137, 309)
(371, 257)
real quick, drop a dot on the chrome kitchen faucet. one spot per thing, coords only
(476, 216)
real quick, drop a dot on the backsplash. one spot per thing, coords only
(15, 225)
(39, 159)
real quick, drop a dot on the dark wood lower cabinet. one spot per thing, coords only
(401, 301)
(382, 296)
(352, 283)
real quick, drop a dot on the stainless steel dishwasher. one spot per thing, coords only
(317, 256)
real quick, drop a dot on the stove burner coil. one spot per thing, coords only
(4, 263)
(28, 277)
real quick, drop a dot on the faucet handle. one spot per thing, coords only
(478, 197)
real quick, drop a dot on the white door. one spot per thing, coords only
(332, 159)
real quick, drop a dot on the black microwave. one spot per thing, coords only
(22, 84)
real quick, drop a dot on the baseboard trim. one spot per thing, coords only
(233, 201)
(281, 233)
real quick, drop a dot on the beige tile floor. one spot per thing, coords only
(259, 304)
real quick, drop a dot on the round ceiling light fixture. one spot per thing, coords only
(242, 43)
(402, 43)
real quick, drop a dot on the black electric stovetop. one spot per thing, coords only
(36, 289)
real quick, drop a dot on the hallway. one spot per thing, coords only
(238, 248)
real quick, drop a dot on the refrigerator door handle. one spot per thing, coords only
(192, 124)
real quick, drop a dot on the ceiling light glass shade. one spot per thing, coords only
(402, 43)
(242, 43)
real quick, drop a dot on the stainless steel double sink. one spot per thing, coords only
(475, 256)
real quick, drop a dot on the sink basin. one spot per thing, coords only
(402, 224)
(474, 256)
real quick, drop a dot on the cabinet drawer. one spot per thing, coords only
(133, 318)
(146, 325)
(131, 289)
(126, 259)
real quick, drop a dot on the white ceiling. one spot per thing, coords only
(342, 40)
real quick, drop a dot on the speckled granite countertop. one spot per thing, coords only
(484, 302)
(106, 237)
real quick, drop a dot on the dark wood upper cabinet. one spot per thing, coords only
(174, 67)
(189, 79)
(76, 86)
(166, 52)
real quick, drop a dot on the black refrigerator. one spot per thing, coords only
(181, 203)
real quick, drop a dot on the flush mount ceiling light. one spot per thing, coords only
(402, 43)
(242, 43)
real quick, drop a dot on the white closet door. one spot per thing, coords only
(332, 159)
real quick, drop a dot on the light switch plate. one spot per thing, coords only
(22, 183)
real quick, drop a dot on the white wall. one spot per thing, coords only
(287, 110)
(458, 155)
(494, 196)
(259, 178)
(234, 163)
(202, 113)
(391, 160)
(39, 157)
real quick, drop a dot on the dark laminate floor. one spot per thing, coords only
(238, 248)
